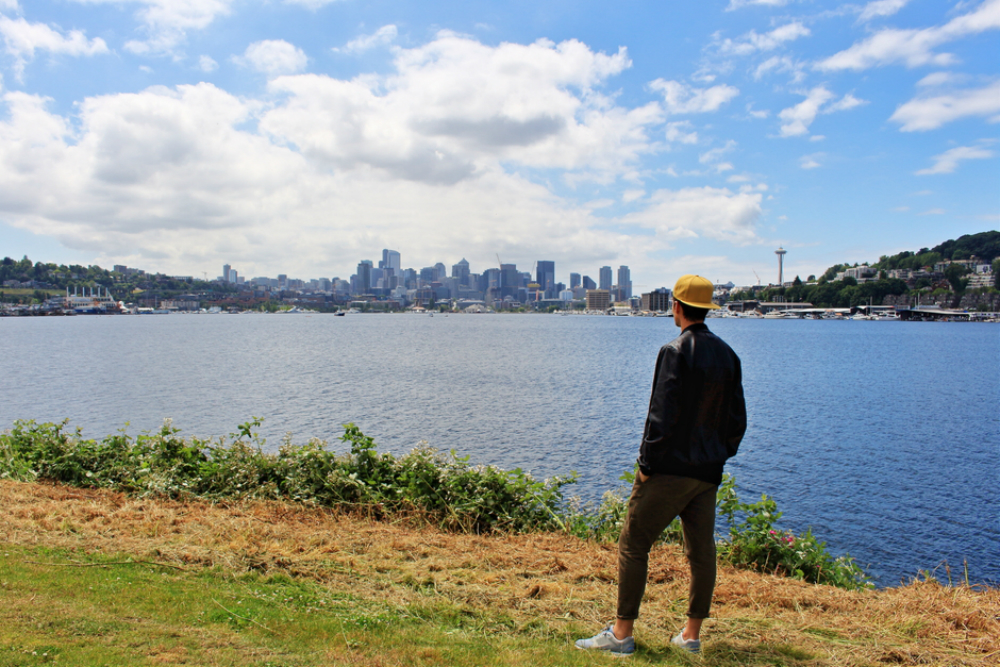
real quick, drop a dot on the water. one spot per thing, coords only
(881, 436)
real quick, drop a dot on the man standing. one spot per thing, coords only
(696, 420)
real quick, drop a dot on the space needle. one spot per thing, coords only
(780, 252)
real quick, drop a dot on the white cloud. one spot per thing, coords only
(932, 111)
(758, 114)
(739, 4)
(780, 64)
(311, 4)
(938, 79)
(207, 64)
(682, 98)
(679, 131)
(323, 171)
(9, 5)
(633, 195)
(715, 154)
(881, 8)
(166, 22)
(716, 213)
(914, 47)
(795, 121)
(22, 39)
(934, 211)
(752, 42)
(274, 57)
(381, 37)
(947, 162)
(811, 161)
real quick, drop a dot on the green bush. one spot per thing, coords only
(441, 488)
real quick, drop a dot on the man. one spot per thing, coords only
(696, 420)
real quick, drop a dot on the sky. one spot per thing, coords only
(303, 136)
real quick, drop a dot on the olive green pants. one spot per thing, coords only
(651, 507)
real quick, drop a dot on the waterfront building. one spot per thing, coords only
(605, 278)
(598, 299)
(657, 301)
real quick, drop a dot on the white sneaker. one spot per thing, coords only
(605, 640)
(693, 645)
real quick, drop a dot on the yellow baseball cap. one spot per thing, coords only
(695, 291)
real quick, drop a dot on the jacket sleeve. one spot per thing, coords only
(664, 407)
(737, 414)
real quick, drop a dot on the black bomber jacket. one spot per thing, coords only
(697, 413)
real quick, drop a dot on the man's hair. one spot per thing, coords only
(692, 313)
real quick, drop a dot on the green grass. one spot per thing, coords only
(71, 608)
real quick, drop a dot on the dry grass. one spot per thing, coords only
(544, 578)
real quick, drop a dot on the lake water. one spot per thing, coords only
(884, 437)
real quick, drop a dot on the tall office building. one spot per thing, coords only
(574, 280)
(391, 260)
(510, 280)
(588, 283)
(225, 272)
(605, 278)
(624, 283)
(364, 285)
(545, 276)
(460, 272)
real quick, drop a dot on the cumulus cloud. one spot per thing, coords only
(166, 22)
(192, 175)
(382, 37)
(795, 121)
(22, 39)
(811, 161)
(947, 162)
(881, 8)
(752, 42)
(680, 131)
(274, 57)
(716, 213)
(914, 48)
(780, 64)
(310, 4)
(207, 64)
(739, 4)
(682, 98)
(929, 112)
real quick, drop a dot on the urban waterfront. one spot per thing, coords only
(882, 436)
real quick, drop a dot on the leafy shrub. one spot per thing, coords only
(442, 488)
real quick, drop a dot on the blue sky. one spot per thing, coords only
(301, 136)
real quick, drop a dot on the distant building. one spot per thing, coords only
(460, 272)
(624, 283)
(545, 276)
(605, 278)
(598, 299)
(226, 268)
(657, 301)
(574, 280)
(588, 283)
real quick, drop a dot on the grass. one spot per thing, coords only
(95, 577)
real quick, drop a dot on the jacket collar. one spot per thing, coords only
(697, 326)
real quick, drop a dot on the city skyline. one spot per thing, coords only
(669, 138)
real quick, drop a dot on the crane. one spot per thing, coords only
(758, 277)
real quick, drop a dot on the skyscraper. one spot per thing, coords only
(545, 276)
(364, 285)
(574, 280)
(460, 272)
(605, 278)
(225, 272)
(624, 283)
(588, 283)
